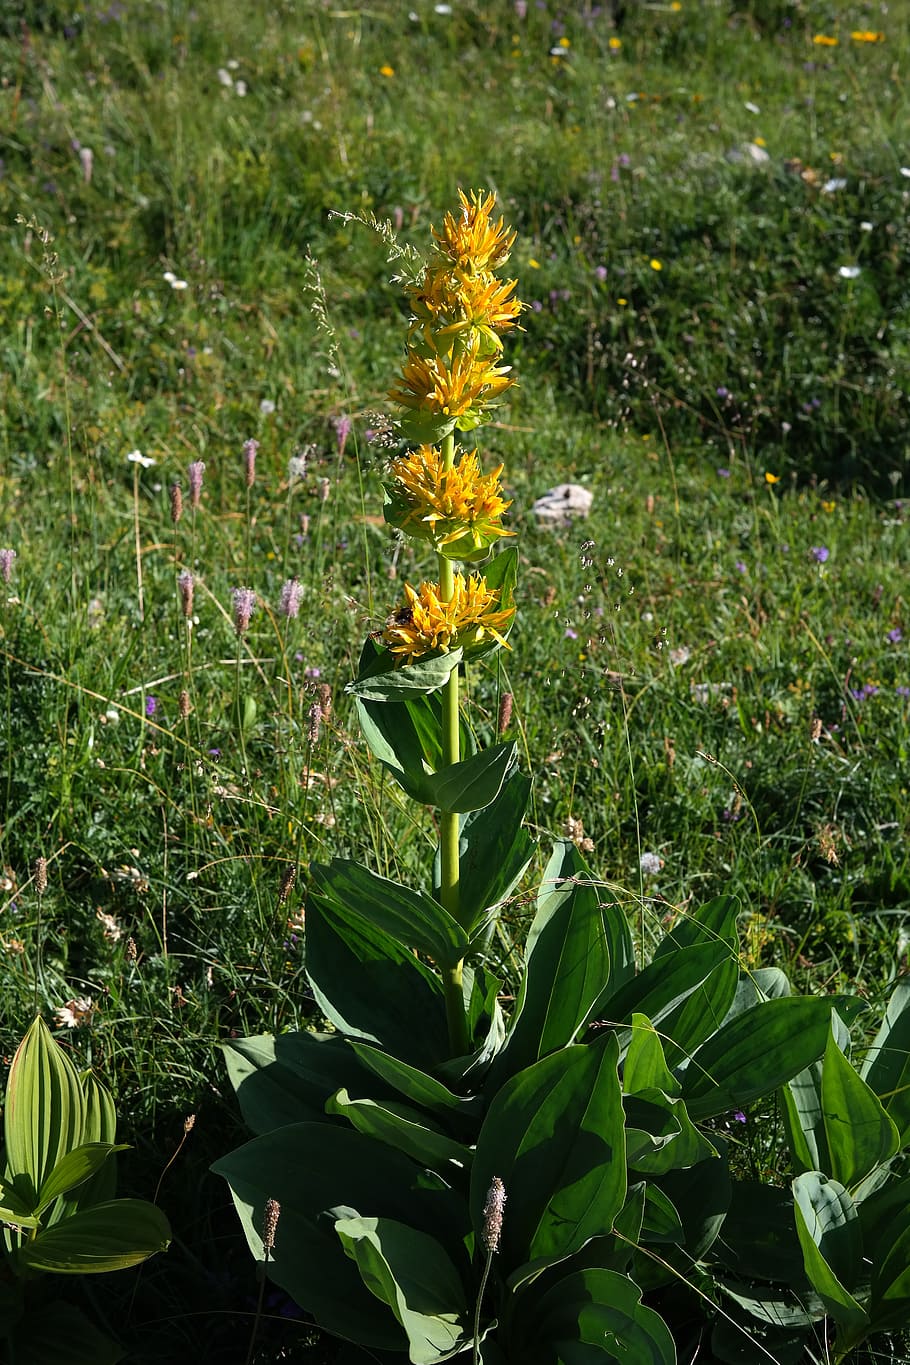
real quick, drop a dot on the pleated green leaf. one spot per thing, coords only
(106, 1237)
(887, 1064)
(413, 919)
(860, 1135)
(831, 1240)
(45, 1109)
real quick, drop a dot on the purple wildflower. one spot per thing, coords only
(291, 594)
(6, 564)
(250, 448)
(244, 600)
(738, 1116)
(724, 473)
(740, 567)
(151, 705)
(722, 391)
(571, 634)
(342, 432)
(895, 636)
(820, 553)
(902, 691)
(194, 474)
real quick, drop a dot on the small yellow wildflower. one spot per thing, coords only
(387, 70)
(535, 265)
(676, 6)
(615, 43)
(564, 42)
(423, 624)
(458, 510)
(471, 239)
(867, 36)
(760, 142)
(771, 478)
(828, 506)
(622, 302)
(655, 264)
(823, 40)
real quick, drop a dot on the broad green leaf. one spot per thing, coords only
(758, 1239)
(73, 1169)
(554, 1134)
(804, 1122)
(645, 1066)
(754, 1053)
(100, 1126)
(319, 1173)
(568, 962)
(289, 1078)
(383, 680)
(831, 1242)
(763, 983)
(711, 923)
(416, 1085)
(106, 1237)
(661, 986)
(593, 1314)
(60, 1334)
(412, 1273)
(891, 1275)
(887, 1064)
(661, 1221)
(372, 988)
(403, 1128)
(425, 714)
(737, 1339)
(413, 919)
(45, 1109)
(494, 851)
(473, 783)
(700, 1014)
(701, 1197)
(679, 1144)
(486, 1022)
(16, 1209)
(860, 1135)
(773, 1305)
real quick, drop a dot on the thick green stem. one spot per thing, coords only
(448, 830)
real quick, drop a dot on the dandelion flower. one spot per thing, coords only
(655, 264)
(771, 478)
(650, 864)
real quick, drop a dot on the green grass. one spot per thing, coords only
(665, 690)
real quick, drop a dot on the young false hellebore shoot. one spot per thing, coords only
(456, 1182)
(58, 1206)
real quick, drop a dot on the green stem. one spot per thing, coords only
(449, 894)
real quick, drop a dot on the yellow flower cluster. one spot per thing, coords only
(460, 307)
(424, 623)
(457, 508)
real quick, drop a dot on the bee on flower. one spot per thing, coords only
(471, 619)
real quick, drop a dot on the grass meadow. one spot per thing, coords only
(711, 672)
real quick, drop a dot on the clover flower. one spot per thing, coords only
(458, 510)
(424, 624)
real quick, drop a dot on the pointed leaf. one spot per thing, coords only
(411, 918)
(319, 1173)
(830, 1237)
(288, 1079)
(383, 680)
(410, 1272)
(15, 1209)
(701, 1013)
(554, 1134)
(568, 962)
(711, 923)
(372, 988)
(416, 1085)
(593, 1314)
(754, 1053)
(107, 1237)
(73, 1169)
(100, 1126)
(860, 1135)
(891, 1276)
(45, 1108)
(887, 1065)
(403, 1128)
(494, 851)
(474, 783)
(661, 986)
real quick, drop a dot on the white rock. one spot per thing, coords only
(562, 503)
